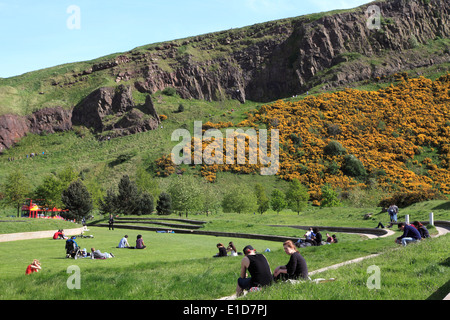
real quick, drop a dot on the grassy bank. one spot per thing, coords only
(178, 266)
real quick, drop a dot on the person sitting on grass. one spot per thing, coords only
(296, 267)
(59, 235)
(410, 234)
(222, 251)
(422, 229)
(124, 242)
(232, 249)
(140, 242)
(259, 269)
(35, 266)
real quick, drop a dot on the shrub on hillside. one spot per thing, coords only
(353, 167)
(405, 199)
(334, 148)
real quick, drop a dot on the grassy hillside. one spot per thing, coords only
(400, 134)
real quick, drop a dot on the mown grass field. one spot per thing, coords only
(181, 267)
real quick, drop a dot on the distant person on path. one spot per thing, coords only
(393, 211)
(222, 251)
(296, 267)
(140, 242)
(35, 266)
(422, 229)
(410, 234)
(111, 222)
(259, 269)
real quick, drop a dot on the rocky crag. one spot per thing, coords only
(124, 117)
(263, 62)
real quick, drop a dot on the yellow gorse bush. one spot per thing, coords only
(384, 129)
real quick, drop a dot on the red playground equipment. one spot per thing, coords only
(35, 210)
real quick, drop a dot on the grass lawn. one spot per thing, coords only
(181, 267)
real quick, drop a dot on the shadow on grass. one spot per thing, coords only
(443, 206)
(441, 293)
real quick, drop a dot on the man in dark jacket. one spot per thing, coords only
(410, 234)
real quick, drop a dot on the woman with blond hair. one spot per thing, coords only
(296, 267)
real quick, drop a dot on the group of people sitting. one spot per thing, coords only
(223, 252)
(313, 237)
(412, 233)
(73, 250)
(139, 243)
(260, 274)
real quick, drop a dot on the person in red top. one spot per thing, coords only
(34, 267)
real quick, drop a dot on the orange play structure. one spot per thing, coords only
(34, 210)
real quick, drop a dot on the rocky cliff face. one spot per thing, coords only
(124, 117)
(117, 103)
(278, 59)
(263, 62)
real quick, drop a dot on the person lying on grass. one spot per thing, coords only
(97, 254)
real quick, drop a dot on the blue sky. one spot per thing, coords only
(39, 34)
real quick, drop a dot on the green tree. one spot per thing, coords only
(53, 185)
(146, 204)
(329, 197)
(146, 183)
(278, 200)
(262, 200)
(239, 200)
(77, 199)
(186, 194)
(128, 196)
(15, 188)
(164, 204)
(211, 198)
(108, 205)
(353, 167)
(297, 196)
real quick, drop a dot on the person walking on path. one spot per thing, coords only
(259, 269)
(393, 211)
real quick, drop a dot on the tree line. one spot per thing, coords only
(184, 195)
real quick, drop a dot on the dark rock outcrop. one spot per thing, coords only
(123, 115)
(125, 118)
(48, 120)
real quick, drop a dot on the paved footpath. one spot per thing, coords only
(38, 234)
